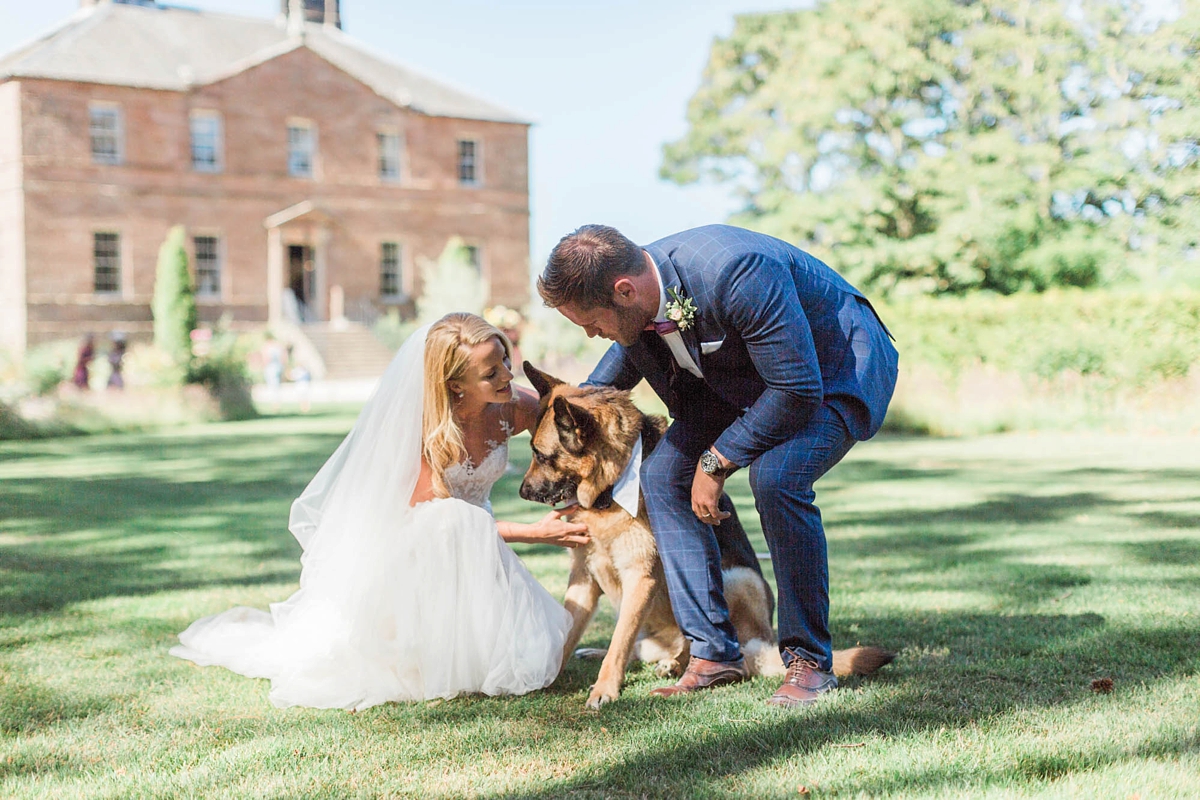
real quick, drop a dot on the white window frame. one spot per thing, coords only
(219, 253)
(401, 272)
(116, 290)
(218, 146)
(117, 132)
(391, 135)
(476, 160)
(310, 126)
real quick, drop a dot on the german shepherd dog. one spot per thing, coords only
(583, 439)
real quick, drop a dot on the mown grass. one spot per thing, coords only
(1010, 572)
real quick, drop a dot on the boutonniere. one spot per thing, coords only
(681, 310)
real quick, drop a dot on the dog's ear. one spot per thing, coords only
(540, 380)
(576, 425)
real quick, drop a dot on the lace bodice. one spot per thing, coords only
(473, 482)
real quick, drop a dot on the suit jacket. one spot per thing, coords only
(776, 333)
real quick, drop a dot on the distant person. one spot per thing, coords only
(83, 360)
(116, 357)
(274, 360)
(301, 376)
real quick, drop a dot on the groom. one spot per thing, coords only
(767, 359)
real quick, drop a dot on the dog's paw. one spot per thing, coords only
(668, 668)
(591, 652)
(598, 697)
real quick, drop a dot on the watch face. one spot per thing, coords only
(709, 463)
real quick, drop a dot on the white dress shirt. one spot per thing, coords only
(674, 340)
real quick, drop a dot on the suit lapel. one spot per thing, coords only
(670, 278)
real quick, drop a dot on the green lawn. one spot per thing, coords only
(1009, 572)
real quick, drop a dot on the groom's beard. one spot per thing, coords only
(630, 324)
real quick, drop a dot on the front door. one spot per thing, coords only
(300, 278)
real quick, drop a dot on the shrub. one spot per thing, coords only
(1066, 358)
(392, 330)
(174, 305)
(450, 284)
(147, 365)
(14, 426)
(48, 365)
(223, 370)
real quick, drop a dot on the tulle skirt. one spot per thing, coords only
(440, 607)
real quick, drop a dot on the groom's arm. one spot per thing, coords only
(616, 369)
(757, 297)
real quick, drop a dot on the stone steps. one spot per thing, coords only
(350, 351)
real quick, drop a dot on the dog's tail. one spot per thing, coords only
(762, 658)
(860, 661)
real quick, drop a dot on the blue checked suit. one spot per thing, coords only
(797, 367)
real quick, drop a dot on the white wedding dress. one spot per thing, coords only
(396, 602)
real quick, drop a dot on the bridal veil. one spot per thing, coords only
(395, 602)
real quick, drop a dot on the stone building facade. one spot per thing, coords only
(313, 177)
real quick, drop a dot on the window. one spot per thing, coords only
(206, 141)
(106, 134)
(473, 257)
(389, 269)
(208, 265)
(468, 162)
(302, 147)
(391, 148)
(106, 258)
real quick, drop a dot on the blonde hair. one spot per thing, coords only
(447, 355)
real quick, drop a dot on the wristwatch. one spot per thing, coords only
(710, 464)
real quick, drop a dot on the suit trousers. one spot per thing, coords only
(782, 481)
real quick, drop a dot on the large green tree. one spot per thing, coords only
(940, 146)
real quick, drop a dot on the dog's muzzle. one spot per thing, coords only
(549, 493)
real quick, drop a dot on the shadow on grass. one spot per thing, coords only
(1172, 552)
(163, 513)
(27, 707)
(994, 665)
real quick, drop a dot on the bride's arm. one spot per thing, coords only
(424, 487)
(550, 529)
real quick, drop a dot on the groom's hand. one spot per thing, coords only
(706, 492)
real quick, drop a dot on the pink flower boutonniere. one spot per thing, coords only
(681, 310)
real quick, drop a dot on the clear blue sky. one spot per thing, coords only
(606, 83)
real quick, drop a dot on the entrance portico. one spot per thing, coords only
(297, 264)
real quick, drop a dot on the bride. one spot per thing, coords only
(408, 590)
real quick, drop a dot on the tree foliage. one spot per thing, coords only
(451, 283)
(174, 304)
(938, 146)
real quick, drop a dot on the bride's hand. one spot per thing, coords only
(554, 529)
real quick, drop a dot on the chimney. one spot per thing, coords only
(327, 12)
(294, 9)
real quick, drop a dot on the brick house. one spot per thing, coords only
(313, 176)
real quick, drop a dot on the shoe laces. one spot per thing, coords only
(799, 664)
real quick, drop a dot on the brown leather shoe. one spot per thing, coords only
(805, 682)
(704, 674)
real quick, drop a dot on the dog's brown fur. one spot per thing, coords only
(582, 441)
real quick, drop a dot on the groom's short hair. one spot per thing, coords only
(585, 264)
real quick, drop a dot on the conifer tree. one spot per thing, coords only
(174, 305)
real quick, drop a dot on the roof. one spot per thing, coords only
(176, 49)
